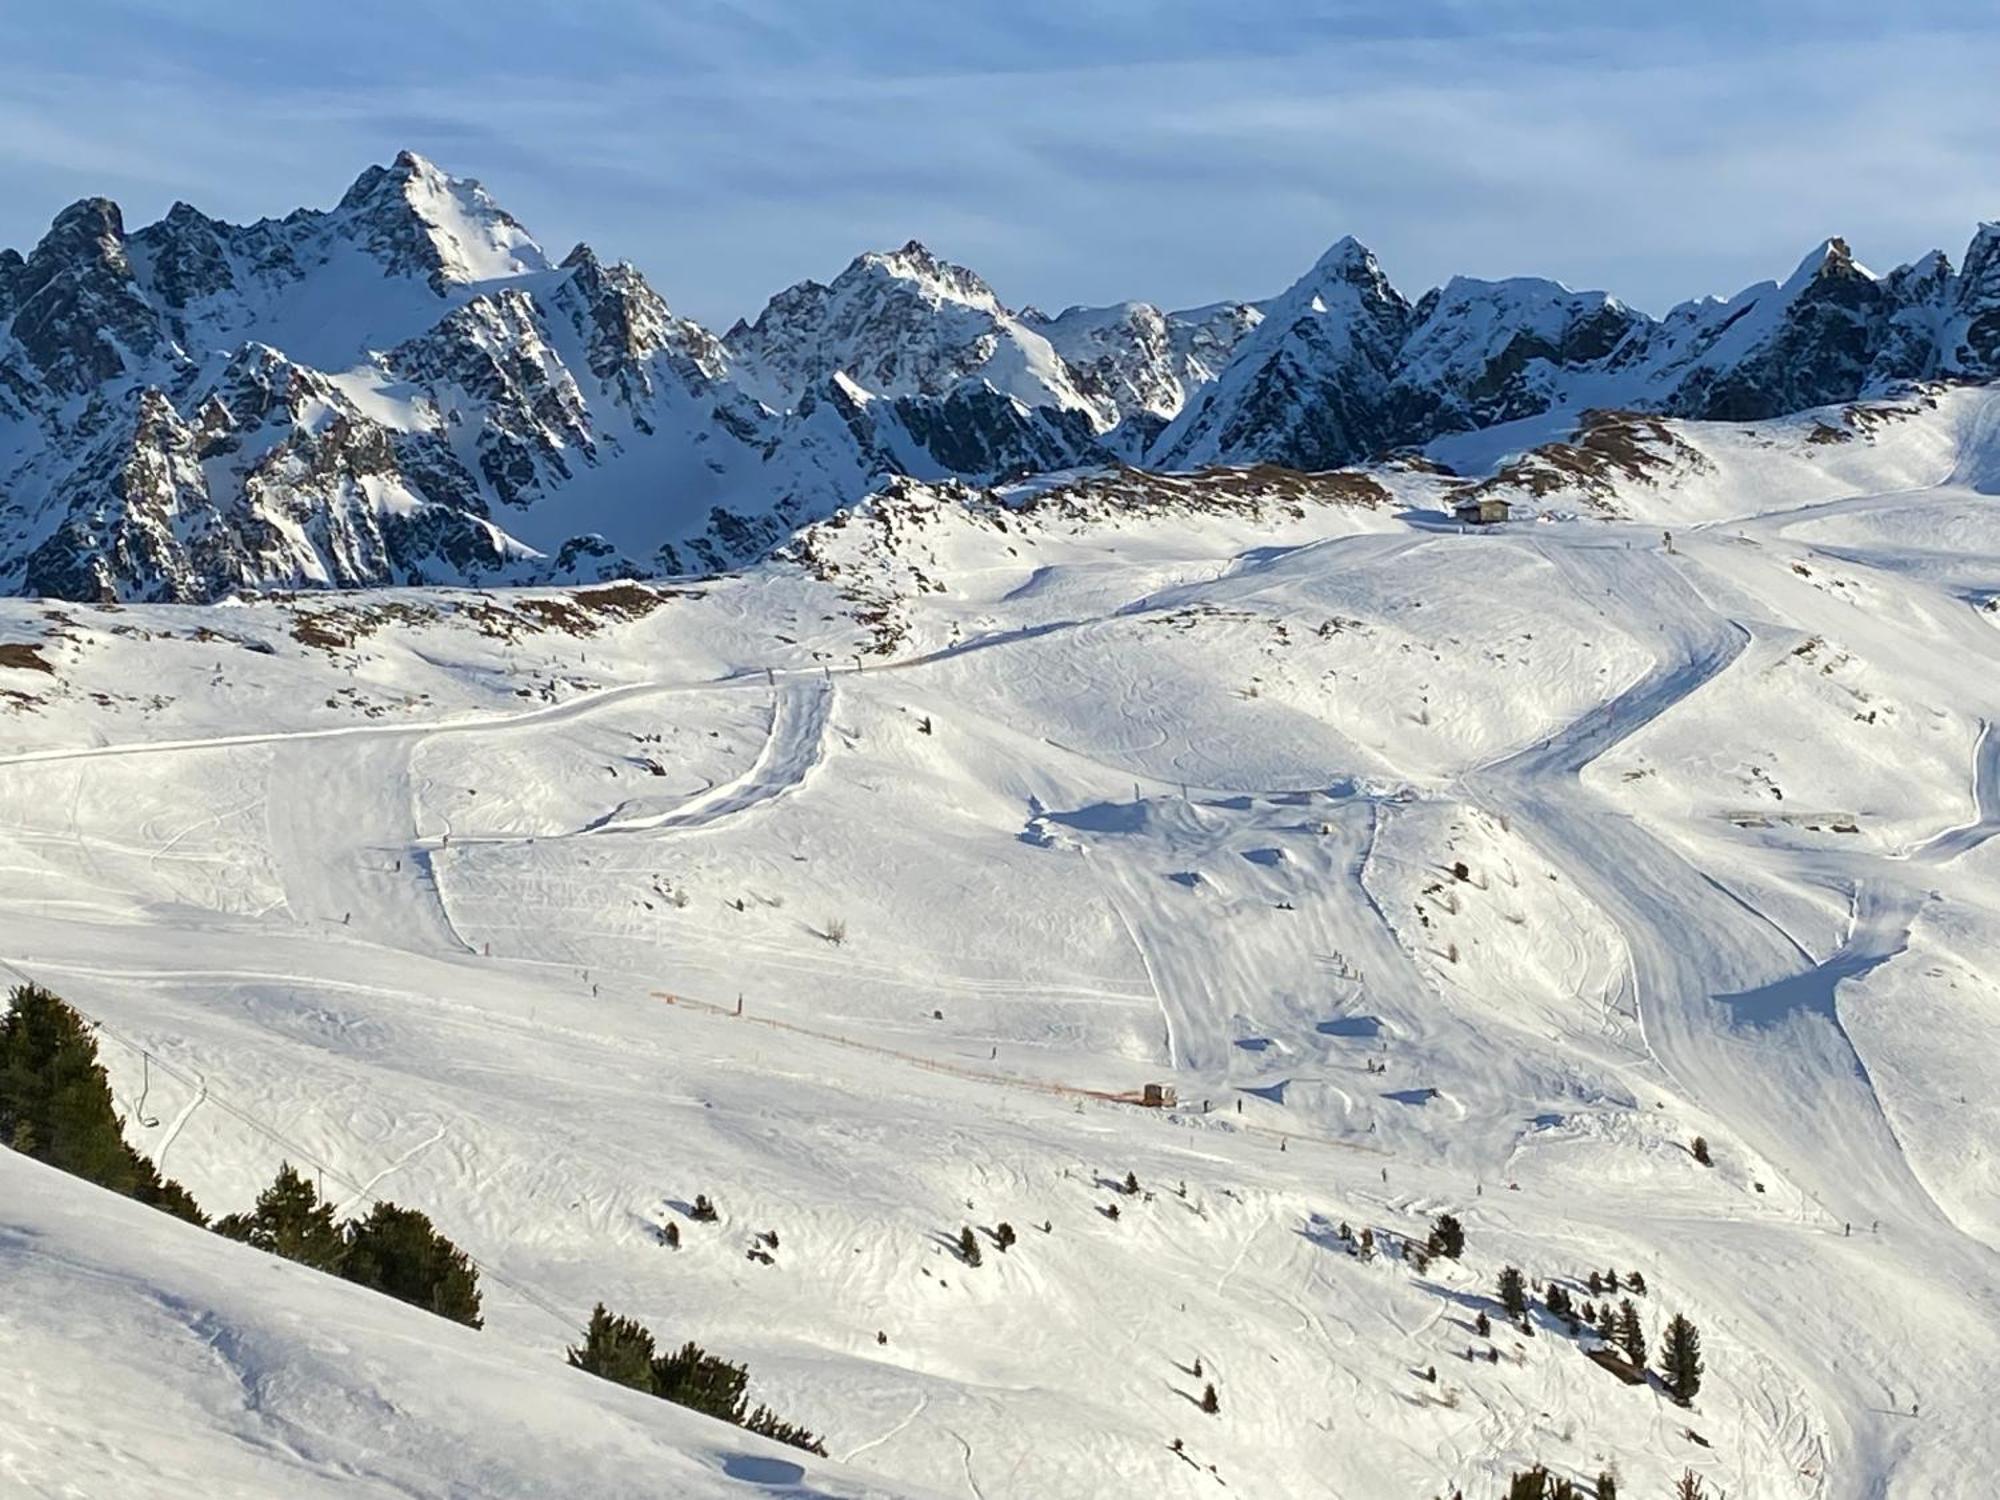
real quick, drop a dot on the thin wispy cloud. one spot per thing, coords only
(1176, 151)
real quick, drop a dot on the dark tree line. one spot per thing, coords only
(622, 1350)
(56, 1106)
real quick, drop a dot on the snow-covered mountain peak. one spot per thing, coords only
(420, 218)
(900, 323)
(934, 278)
(1831, 258)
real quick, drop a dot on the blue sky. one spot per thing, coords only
(1176, 151)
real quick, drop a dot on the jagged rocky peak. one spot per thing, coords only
(1971, 343)
(624, 321)
(1309, 387)
(77, 312)
(930, 275)
(421, 221)
(187, 255)
(899, 323)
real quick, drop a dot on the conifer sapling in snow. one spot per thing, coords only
(968, 1246)
(1210, 1402)
(1448, 1237)
(1513, 1293)
(1680, 1360)
(1631, 1337)
(1003, 1236)
(1701, 1151)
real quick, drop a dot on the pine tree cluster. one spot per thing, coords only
(622, 1350)
(55, 1104)
(395, 1251)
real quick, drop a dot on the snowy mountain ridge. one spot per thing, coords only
(405, 389)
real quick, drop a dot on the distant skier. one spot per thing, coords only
(1667, 539)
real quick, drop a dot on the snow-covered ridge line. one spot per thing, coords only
(405, 389)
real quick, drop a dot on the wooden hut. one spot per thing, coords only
(1482, 510)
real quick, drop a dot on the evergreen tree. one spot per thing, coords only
(1701, 1152)
(290, 1220)
(616, 1349)
(703, 1211)
(1003, 1236)
(1513, 1294)
(1680, 1360)
(1631, 1337)
(1483, 1326)
(1530, 1484)
(1210, 1402)
(1607, 1324)
(1607, 1486)
(670, 1236)
(1132, 1182)
(1611, 1280)
(1636, 1283)
(1448, 1237)
(1689, 1487)
(968, 1246)
(397, 1251)
(1596, 1285)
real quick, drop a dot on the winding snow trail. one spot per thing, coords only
(1743, 1021)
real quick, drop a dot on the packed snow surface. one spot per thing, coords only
(1437, 870)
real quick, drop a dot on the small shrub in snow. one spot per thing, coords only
(1448, 1237)
(968, 1246)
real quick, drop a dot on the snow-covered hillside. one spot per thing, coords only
(1438, 870)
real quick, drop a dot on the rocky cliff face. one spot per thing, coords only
(405, 389)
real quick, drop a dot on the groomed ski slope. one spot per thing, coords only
(1169, 795)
